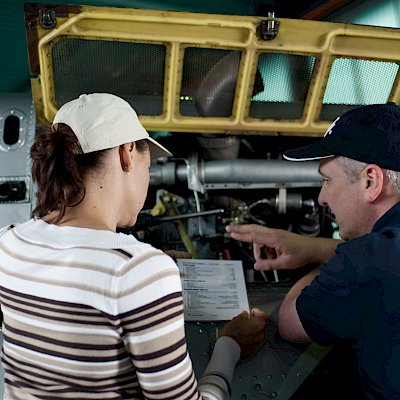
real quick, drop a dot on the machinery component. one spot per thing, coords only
(268, 29)
(271, 192)
(17, 130)
(147, 220)
(240, 174)
(48, 19)
(309, 225)
(12, 191)
(170, 79)
(169, 202)
(216, 92)
(216, 147)
(191, 215)
(282, 203)
(13, 130)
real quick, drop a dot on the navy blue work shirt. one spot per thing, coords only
(355, 300)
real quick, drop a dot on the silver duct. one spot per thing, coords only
(238, 174)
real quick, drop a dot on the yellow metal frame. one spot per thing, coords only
(323, 40)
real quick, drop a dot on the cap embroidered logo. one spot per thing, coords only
(331, 126)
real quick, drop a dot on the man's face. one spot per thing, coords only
(343, 198)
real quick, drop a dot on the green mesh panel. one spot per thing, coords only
(286, 79)
(353, 83)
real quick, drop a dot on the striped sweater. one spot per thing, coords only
(91, 314)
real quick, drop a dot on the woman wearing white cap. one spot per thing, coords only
(90, 313)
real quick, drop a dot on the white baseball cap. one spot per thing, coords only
(102, 120)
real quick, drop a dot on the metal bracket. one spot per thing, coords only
(193, 179)
(268, 29)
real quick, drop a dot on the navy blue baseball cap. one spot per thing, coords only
(370, 134)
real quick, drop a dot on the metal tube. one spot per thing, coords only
(192, 215)
(243, 172)
(258, 171)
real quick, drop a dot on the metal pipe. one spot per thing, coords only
(241, 173)
(192, 215)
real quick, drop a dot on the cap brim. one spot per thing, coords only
(307, 153)
(156, 150)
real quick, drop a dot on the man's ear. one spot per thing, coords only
(373, 181)
(125, 152)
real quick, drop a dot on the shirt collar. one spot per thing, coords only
(390, 218)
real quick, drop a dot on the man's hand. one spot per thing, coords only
(247, 330)
(280, 249)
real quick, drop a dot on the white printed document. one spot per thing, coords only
(213, 290)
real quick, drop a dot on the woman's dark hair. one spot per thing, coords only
(59, 167)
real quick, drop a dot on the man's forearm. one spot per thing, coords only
(290, 326)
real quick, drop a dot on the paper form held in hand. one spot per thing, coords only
(213, 290)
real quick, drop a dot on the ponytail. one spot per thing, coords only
(58, 169)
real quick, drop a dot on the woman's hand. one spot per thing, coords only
(247, 330)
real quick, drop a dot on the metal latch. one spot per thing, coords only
(268, 29)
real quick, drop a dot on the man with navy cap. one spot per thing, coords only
(354, 297)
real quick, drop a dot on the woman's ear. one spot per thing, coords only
(125, 151)
(373, 181)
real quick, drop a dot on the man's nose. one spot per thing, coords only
(321, 198)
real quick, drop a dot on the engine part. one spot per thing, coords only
(240, 174)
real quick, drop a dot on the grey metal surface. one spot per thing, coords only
(276, 370)
(239, 173)
(17, 130)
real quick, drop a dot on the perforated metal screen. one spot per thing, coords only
(209, 82)
(134, 71)
(286, 80)
(354, 82)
